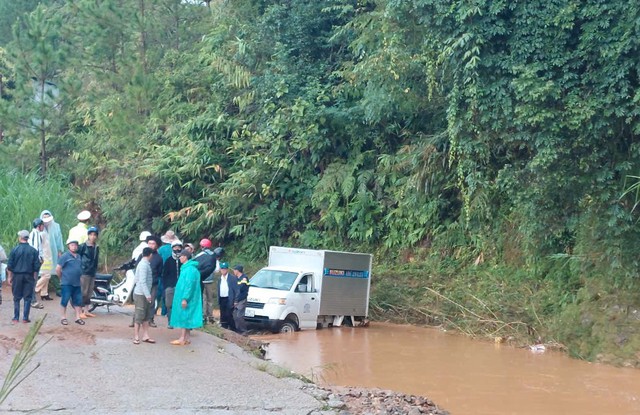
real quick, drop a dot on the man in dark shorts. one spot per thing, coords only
(69, 270)
(142, 298)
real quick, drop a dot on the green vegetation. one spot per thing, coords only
(485, 151)
(24, 196)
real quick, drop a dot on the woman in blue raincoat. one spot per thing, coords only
(186, 313)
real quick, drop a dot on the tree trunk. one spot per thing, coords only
(1, 129)
(143, 37)
(43, 143)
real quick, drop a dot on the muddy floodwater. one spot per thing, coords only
(464, 376)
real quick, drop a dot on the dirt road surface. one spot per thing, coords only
(96, 368)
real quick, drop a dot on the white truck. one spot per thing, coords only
(308, 289)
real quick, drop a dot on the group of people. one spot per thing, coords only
(40, 254)
(168, 272)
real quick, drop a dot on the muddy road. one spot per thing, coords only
(97, 368)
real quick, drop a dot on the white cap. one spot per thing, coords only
(144, 235)
(176, 242)
(84, 215)
(72, 240)
(23, 234)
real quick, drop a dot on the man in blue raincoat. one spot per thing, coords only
(186, 313)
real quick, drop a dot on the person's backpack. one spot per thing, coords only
(206, 264)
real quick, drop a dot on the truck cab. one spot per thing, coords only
(286, 298)
(287, 295)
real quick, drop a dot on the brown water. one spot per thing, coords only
(464, 376)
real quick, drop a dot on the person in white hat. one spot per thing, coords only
(52, 246)
(137, 251)
(79, 232)
(167, 239)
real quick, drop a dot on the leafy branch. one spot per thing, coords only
(16, 374)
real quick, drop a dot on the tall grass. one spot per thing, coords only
(24, 196)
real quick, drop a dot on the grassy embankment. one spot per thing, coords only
(590, 317)
(24, 196)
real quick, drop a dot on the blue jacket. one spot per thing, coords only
(188, 288)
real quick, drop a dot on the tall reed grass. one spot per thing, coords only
(24, 196)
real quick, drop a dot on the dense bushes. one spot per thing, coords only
(489, 142)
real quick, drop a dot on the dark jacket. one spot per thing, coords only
(170, 272)
(89, 255)
(24, 259)
(233, 288)
(156, 268)
(243, 288)
(206, 263)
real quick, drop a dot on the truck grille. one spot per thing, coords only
(251, 304)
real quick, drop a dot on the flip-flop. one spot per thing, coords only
(136, 341)
(149, 341)
(177, 342)
(64, 322)
(80, 321)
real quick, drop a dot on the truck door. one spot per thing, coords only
(309, 301)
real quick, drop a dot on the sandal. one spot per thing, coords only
(64, 322)
(136, 341)
(80, 321)
(177, 342)
(149, 341)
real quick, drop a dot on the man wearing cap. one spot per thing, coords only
(89, 254)
(22, 271)
(52, 246)
(79, 232)
(240, 303)
(227, 286)
(69, 270)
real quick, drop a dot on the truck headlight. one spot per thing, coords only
(277, 300)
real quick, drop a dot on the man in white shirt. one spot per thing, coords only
(227, 286)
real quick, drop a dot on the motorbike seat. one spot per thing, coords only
(104, 277)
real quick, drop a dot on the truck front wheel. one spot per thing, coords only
(288, 326)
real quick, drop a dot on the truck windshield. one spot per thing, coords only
(274, 279)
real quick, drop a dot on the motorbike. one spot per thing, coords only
(107, 293)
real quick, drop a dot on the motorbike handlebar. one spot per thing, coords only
(126, 266)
